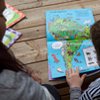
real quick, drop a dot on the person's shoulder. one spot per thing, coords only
(5, 74)
(9, 78)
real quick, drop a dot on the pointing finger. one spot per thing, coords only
(77, 70)
(70, 71)
(73, 71)
(66, 73)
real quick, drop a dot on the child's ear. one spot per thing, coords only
(98, 62)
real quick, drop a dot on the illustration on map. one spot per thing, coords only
(90, 56)
(69, 24)
(73, 53)
(68, 41)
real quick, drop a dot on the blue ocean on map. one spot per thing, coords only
(54, 65)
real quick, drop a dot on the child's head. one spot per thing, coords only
(2, 20)
(95, 35)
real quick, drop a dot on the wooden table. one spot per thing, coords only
(31, 48)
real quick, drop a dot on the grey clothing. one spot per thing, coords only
(20, 86)
(75, 93)
(92, 93)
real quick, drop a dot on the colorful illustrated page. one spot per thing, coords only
(90, 56)
(12, 15)
(66, 54)
(68, 37)
(69, 24)
(10, 37)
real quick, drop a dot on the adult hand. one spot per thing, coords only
(73, 78)
(36, 77)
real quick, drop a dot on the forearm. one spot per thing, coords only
(75, 93)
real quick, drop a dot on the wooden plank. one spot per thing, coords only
(67, 97)
(30, 51)
(42, 4)
(64, 91)
(42, 69)
(38, 32)
(32, 33)
(27, 4)
(20, 2)
(36, 16)
(97, 17)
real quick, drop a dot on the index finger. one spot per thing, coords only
(66, 72)
(70, 71)
(77, 70)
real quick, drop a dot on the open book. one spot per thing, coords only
(68, 41)
(12, 15)
(10, 37)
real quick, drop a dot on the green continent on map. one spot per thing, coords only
(65, 29)
(64, 60)
(72, 47)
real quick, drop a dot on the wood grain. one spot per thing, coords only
(20, 2)
(38, 32)
(42, 69)
(30, 51)
(32, 33)
(67, 97)
(64, 91)
(27, 4)
(28, 54)
(42, 4)
(36, 17)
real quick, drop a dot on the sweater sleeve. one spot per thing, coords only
(75, 93)
(31, 89)
(93, 91)
(20, 86)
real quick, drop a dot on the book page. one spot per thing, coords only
(12, 15)
(10, 37)
(63, 55)
(69, 24)
(56, 59)
(90, 56)
(8, 14)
